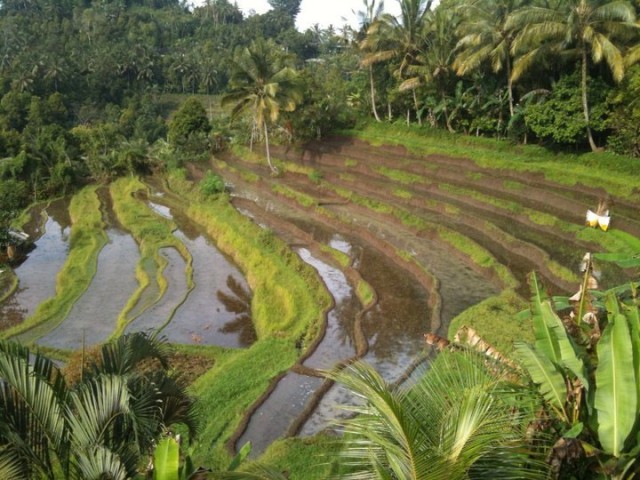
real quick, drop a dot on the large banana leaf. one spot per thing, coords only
(542, 312)
(543, 372)
(624, 260)
(571, 355)
(552, 339)
(166, 460)
(633, 315)
(616, 396)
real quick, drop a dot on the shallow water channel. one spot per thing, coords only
(92, 319)
(37, 272)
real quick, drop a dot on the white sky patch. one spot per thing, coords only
(322, 12)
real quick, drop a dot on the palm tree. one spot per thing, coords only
(99, 427)
(366, 18)
(263, 84)
(587, 29)
(398, 39)
(432, 65)
(465, 418)
(484, 36)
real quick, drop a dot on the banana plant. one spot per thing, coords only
(593, 391)
(167, 465)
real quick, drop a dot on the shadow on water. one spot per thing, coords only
(395, 327)
(287, 402)
(93, 318)
(37, 272)
(218, 309)
(338, 342)
(330, 410)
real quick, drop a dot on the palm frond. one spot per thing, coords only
(98, 463)
(633, 56)
(11, 467)
(95, 406)
(32, 398)
(460, 412)
(617, 11)
(602, 47)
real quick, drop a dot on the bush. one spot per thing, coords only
(211, 184)
(561, 118)
(315, 176)
(625, 118)
(190, 127)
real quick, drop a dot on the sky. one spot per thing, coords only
(322, 12)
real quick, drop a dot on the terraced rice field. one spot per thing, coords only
(403, 243)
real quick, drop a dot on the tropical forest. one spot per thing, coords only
(402, 248)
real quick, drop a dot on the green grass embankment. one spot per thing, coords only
(496, 321)
(288, 306)
(8, 282)
(238, 379)
(340, 257)
(288, 298)
(87, 238)
(308, 458)
(152, 233)
(617, 174)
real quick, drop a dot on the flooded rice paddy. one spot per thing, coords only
(215, 310)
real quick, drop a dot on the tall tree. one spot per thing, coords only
(366, 18)
(432, 66)
(290, 7)
(398, 39)
(264, 84)
(484, 36)
(586, 29)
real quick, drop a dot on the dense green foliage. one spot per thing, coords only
(466, 417)
(77, 101)
(189, 128)
(101, 426)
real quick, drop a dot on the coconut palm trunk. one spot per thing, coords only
(509, 84)
(585, 99)
(415, 104)
(273, 168)
(373, 94)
